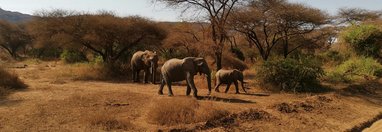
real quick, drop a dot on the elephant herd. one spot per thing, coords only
(175, 70)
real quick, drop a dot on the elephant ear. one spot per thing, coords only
(189, 65)
(145, 57)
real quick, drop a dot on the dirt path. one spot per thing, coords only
(53, 102)
(377, 126)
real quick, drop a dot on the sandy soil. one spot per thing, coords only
(54, 102)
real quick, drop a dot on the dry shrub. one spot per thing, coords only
(3, 92)
(181, 110)
(11, 81)
(109, 122)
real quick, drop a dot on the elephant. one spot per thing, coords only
(175, 70)
(228, 77)
(146, 61)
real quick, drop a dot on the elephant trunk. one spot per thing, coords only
(209, 83)
(242, 84)
(153, 72)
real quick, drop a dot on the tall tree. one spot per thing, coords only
(217, 12)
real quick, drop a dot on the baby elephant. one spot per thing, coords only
(227, 77)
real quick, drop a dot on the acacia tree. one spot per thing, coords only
(267, 23)
(104, 34)
(12, 38)
(217, 12)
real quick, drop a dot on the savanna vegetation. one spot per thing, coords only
(300, 64)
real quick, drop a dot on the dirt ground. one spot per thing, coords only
(54, 102)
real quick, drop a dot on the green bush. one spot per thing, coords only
(364, 39)
(72, 56)
(355, 69)
(290, 74)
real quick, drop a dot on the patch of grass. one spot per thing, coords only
(109, 122)
(182, 111)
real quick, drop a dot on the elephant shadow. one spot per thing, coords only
(226, 100)
(257, 94)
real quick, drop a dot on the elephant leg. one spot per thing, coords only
(169, 88)
(188, 90)
(236, 87)
(228, 85)
(137, 75)
(217, 87)
(133, 71)
(242, 86)
(160, 92)
(146, 76)
(190, 83)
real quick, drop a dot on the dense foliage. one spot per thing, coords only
(365, 39)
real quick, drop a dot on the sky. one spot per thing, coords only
(158, 12)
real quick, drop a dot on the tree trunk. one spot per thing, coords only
(218, 58)
(286, 46)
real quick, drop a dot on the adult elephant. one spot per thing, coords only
(146, 61)
(175, 70)
(228, 77)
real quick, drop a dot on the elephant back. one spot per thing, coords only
(173, 69)
(225, 75)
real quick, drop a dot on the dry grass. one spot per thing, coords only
(61, 104)
(182, 111)
(93, 72)
(88, 72)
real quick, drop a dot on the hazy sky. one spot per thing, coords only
(156, 12)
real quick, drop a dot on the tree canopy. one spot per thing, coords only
(104, 34)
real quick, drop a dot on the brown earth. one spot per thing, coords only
(54, 102)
